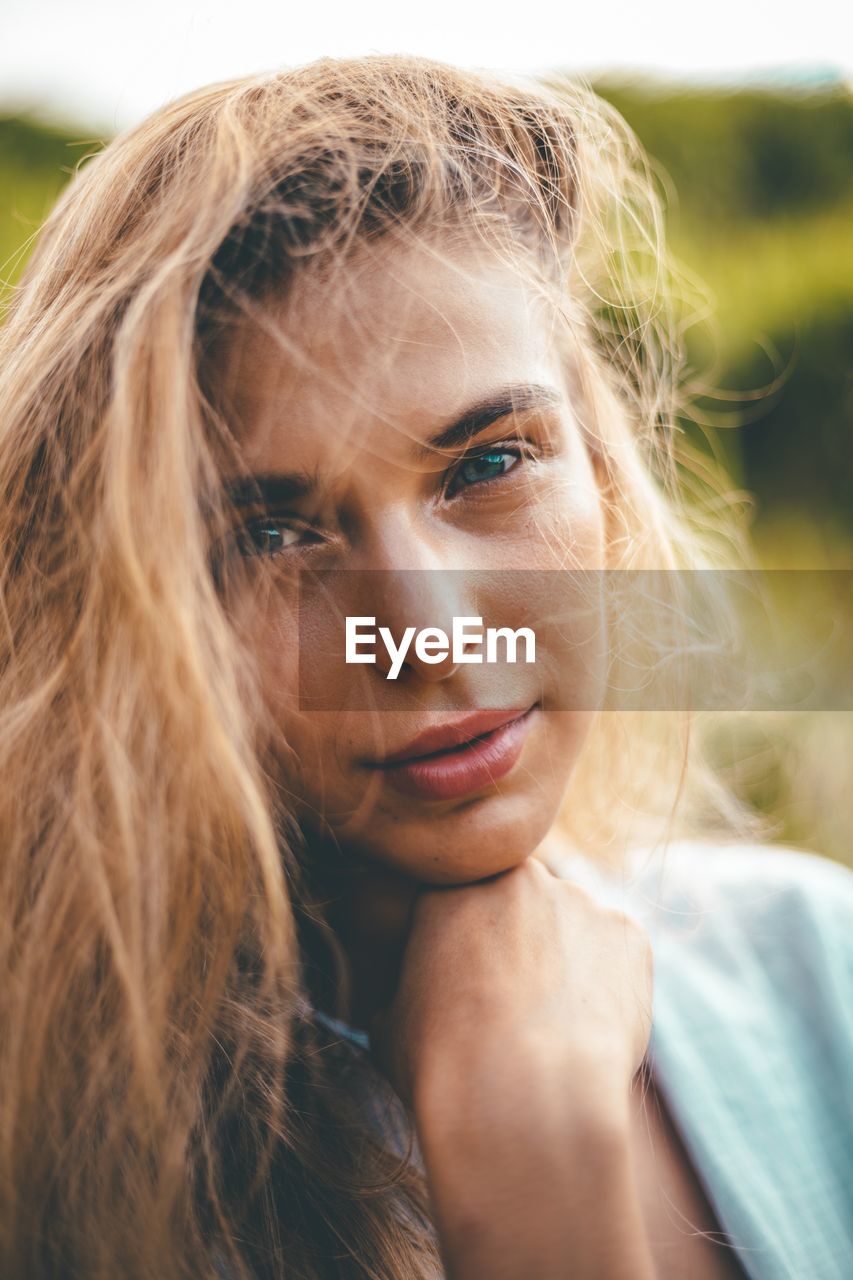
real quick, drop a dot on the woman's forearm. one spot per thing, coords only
(530, 1173)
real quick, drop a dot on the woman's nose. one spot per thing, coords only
(417, 607)
(415, 586)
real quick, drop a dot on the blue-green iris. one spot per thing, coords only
(483, 467)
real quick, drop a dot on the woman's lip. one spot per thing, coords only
(449, 774)
(445, 736)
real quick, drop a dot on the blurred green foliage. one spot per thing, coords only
(36, 160)
(746, 155)
(759, 189)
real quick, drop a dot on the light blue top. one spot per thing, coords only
(752, 1039)
(752, 1047)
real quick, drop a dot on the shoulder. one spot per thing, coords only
(757, 942)
(777, 904)
(752, 1036)
(752, 1042)
(695, 887)
(708, 870)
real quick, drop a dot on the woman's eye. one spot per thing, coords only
(270, 535)
(483, 466)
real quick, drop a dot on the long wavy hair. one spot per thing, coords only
(168, 1105)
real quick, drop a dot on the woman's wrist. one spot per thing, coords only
(552, 1095)
(530, 1170)
(577, 1078)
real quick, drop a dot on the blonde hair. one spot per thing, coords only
(168, 1106)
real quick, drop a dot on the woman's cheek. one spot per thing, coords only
(271, 639)
(576, 513)
(307, 747)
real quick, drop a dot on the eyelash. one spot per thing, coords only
(518, 449)
(515, 448)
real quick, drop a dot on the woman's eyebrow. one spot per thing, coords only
(268, 488)
(477, 417)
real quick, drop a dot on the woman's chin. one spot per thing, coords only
(460, 845)
(460, 861)
(470, 870)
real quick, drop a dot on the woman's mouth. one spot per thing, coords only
(454, 771)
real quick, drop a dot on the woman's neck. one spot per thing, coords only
(368, 908)
(372, 925)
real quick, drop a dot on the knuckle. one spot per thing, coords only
(536, 865)
(577, 893)
(632, 929)
(622, 920)
(535, 869)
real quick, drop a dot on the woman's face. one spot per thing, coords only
(338, 397)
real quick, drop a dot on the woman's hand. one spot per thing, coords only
(520, 959)
(521, 1017)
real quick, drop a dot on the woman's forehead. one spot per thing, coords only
(401, 347)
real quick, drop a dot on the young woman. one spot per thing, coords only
(321, 969)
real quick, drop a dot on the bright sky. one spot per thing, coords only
(106, 63)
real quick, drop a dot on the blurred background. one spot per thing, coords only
(747, 113)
